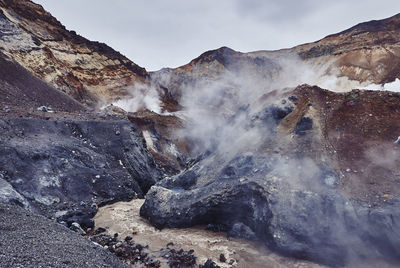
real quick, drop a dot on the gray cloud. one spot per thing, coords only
(277, 11)
(156, 34)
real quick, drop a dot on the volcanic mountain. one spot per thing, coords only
(366, 53)
(310, 172)
(275, 146)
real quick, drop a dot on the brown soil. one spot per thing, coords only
(359, 130)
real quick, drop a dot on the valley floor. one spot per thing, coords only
(123, 218)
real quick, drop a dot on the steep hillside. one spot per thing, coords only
(88, 71)
(23, 93)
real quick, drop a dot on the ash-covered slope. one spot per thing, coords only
(88, 71)
(54, 165)
(29, 240)
(23, 93)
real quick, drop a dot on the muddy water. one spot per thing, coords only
(123, 218)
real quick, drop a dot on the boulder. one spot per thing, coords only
(250, 197)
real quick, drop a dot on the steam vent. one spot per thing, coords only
(273, 158)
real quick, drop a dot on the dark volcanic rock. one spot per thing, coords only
(69, 166)
(303, 125)
(295, 192)
(322, 226)
(209, 264)
(29, 240)
(142, 256)
(9, 195)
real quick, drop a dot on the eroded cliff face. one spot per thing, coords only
(90, 72)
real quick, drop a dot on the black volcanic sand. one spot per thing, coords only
(29, 240)
(19, 88)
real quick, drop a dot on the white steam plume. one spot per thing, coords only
(141, 96)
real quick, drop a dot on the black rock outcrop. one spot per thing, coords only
(53, 166)
(253, 201)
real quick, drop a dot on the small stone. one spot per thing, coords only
(222, 258)
(45, 109)
(293, 98)
(117, 132)
(77, 228)
(63, 223)
(100, 230)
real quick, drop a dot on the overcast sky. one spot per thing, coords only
(170, 33)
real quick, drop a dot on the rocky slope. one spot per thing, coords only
(316, 174)
(90, 72)
(23, 93)
(67, 167)
(59, 157)
(364, 54)
(311, 173)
